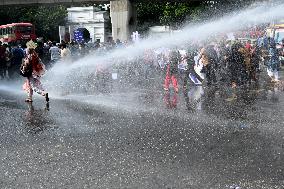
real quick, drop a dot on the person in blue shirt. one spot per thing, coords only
(273, 64)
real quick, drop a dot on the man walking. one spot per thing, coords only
(54, 52)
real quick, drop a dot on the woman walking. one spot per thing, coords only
(33, 69)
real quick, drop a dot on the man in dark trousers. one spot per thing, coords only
(2, 61)
(190, 72)
(16, 61)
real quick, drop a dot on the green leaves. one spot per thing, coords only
(45, 18)
(175, 14)
(166, 13)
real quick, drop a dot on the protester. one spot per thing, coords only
(7, 59)
(149, 60)
(190, 71)
(54, 52)
(182, 66)
(16, 60)
(172, 71)
(236, 66)
(65, 53)
(209, 58)
(255, 62)
(246, 53)
(273, 62)
(33, 69)
(248, 45)
(2, 61)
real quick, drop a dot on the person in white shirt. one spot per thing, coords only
(65, 53)
(54, 52)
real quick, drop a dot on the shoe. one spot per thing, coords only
(46, 97)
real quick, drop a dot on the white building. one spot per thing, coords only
(94, 20)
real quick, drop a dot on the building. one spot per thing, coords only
(93, 21)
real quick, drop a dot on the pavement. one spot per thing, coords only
(213, 138)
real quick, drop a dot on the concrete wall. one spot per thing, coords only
(123, 19)
(91, 18)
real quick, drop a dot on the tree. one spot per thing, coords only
(165, 13)
(175, 14)
(48, 19)
(45, 19)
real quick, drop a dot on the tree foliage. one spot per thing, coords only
(168, 13)
(46, 19)
(175, 14)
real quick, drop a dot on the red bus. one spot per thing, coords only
(17, 32)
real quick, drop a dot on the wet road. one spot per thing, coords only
(202, 138)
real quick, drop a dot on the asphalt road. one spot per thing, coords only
(203, 138)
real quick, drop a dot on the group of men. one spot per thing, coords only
(10, 60)
(12, 55)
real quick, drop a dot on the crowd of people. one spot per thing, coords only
(12, 55)
(235, 62)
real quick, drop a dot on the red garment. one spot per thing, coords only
(36, 63)
(33, 82)
(248, 46)
(170, 78)
(171, 102)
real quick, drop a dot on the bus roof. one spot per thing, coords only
(16, 24)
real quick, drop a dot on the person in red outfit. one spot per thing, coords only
(32, 68)
(172, 71)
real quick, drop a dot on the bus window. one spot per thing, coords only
(24, 29)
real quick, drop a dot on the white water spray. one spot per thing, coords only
(62, 74)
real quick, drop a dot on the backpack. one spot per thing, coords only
(26, 68)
